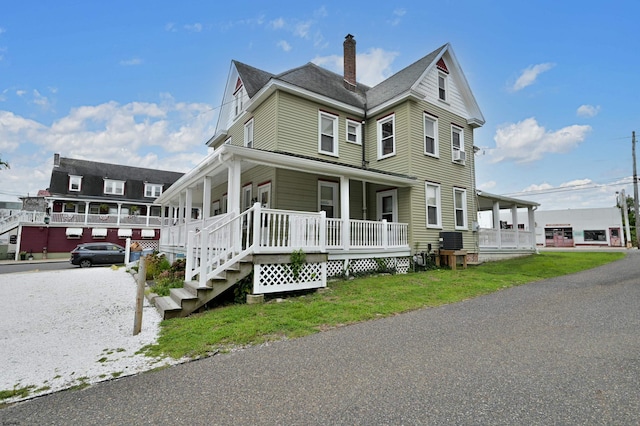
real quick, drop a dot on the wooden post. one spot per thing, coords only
(142, 278)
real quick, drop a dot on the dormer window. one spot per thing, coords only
(75, 183)
(152, 190)
(238, 101)
(113, 187)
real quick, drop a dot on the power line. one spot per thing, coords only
(576, 187)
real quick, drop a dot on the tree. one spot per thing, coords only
(632, 218)
(3, 164)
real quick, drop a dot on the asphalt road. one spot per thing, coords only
(561, 351)
(9, 267)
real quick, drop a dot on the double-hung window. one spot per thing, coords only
(430, 135)
(113, 187)
(386, 137)
(328, 198)
(354, 132)
(75, 183)
(248, 134)
(434, 209)
(238, 101)
(442, 86)
(460, 207)
(457, 144)
(152, 190)
(327, 137)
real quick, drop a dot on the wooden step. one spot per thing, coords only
(184, 298)
(167, 307)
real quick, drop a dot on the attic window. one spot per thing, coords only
(442, 86)
(152, 190)
(75, 183)
(442, 66)
(113, 187)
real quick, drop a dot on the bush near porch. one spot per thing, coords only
(351, 301)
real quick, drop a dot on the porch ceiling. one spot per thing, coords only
(486, 200)
(214, 166)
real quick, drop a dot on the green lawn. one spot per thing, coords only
(361, 299)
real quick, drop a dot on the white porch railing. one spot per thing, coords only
(214, 248)
(105, 219)
(506, 239)
(10, 222)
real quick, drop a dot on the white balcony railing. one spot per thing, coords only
(105, 219)
(506, 239)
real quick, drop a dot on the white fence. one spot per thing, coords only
(506, 239)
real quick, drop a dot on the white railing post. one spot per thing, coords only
(190, 257)
(257, 226)
(385, 234)
(323, 231)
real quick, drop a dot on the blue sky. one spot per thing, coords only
(140, 82)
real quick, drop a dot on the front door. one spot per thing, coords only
(264, 195)
(387, 202)
(328, 198)
(614, 237)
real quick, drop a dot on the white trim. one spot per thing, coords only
(265, 188)
(381, 122)
(215, 207)
(437, 205)
(436, 144)
(460, 131)
(333, 133)
(393, 193)
(358, 131)
(153, 187)
(74, 232)
(463, 208)
(245, 202)
(445, 78)
(117, 186)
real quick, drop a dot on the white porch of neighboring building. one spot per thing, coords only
(499, 239)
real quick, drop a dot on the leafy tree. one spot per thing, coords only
(3, 164)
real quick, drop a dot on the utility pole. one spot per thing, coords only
(623, 204)
(635, 185)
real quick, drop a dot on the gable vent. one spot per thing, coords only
(442, 66)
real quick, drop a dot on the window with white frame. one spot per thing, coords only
(434, 213)
(430, 135)
(327, 141)
(248, 134)
(387, 203)
(386, 137)
(225, 203)
(215, 207)
(238, 101)
(75, 183)
(328, 198)
(246, 197)
(152, 190)
(442, 86)
(457, 144)
(113, 187)
(460, 207)
(354, 132)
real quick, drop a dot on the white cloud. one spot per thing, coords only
(284, 45)
(168, 135)
(2, 30)
(277, 24)
(171, 27)
(527, 141)
(40, 100)
(21, 92)
(131, 62)
(574, 194)
(372, 66)
(486, 186)
(302, 29)
(397, 16)
(194, 28)
(529, 75)
(321, 12)
(587, 111)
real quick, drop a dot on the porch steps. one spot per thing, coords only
(184, 301)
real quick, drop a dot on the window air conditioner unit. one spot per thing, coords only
(459, 155)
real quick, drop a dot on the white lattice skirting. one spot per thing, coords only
(278, 277)
(367, 265)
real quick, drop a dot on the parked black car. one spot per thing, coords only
(89, 254)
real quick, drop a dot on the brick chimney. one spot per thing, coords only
(349, 62)
(56, 160)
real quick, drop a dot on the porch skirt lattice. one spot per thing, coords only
(278, 277)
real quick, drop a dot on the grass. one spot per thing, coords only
(352, 301)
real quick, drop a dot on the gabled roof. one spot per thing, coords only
(252, 78)
(403, 80)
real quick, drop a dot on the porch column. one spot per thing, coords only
(119, 213)
(514, 220)
(532, 226)
(182, 226)
(344, 212)
(86, 212)
(206, 200)
(233, 187)
(496, 222)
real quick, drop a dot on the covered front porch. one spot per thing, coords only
(500, 235)
(242, 203)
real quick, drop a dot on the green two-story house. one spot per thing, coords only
(356, 177)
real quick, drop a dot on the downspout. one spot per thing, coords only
(364, 165)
